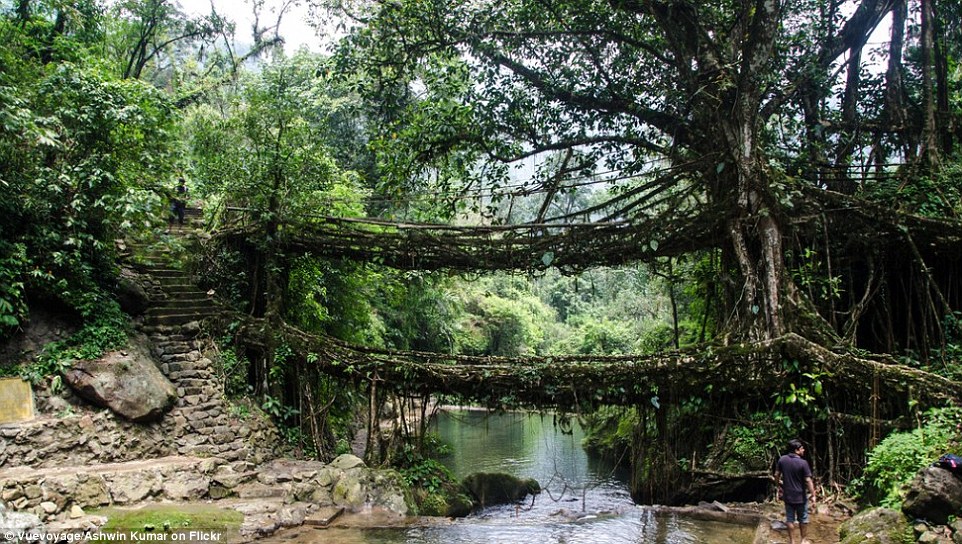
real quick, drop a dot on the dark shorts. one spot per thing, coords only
(797, 512)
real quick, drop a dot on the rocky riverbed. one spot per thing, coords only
(281, 493)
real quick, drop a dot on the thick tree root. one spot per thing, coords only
(744, 371)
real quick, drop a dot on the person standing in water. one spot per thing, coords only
(793, 476)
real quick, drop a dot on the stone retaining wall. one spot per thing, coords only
(70, 432)
(82, 439)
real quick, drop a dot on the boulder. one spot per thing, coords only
(186, 486)
(935, 494)
(127, 382)
(346, 461)
(876, 526)
(450, 501)
(498, 488)
(131, 296)
(348, 491)
(132, 487)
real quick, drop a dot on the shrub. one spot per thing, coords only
(898, 458)
(100, 334)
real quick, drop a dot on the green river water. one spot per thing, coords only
(585, 500)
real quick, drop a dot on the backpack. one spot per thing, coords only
(951, 463)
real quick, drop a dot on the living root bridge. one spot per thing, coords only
(569, 246)
(576, 246)
(744, 371)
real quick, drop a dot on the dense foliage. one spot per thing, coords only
(79, 152)
(898, 458)
(751, 124)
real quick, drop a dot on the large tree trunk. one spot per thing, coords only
(930, 136)
(842, 180)
(895, 113)
(756, 234)
(942, 85)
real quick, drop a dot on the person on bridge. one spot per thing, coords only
(793, 476)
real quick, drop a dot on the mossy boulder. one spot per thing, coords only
(450, 501)
(877, 526)
(490, 488)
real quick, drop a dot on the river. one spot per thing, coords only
(585, 499)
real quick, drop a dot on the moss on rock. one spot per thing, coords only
(877, 526)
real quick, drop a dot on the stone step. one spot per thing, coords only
(324, 516)
(180, 375)
(158, 273)
(45, 491)
(151, 261)
(182, 279)
(181, 294)
(175, 339)
(174, 319)
(206, 308)
(184, 295)
(256, 490)
(187, 366)
(176, 348)
(186, 300)
(182, 288)
(182, 329)
(200, 311)
(185, 360)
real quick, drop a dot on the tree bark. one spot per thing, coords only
(848, 137)
(930, 136)
(944, 118)
(895, 114)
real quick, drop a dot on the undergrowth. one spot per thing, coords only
(107, 330)
(897, 459)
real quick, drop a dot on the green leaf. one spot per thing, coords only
(9, 320)
(547, 258)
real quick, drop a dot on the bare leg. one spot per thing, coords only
(791, 533)
(803, 532)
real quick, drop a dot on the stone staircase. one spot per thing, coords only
(186, 301)
(201, 421)
(175, 298)
(74, 458)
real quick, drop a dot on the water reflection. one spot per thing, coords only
(586, 500)
(643, 528)
(535, 446)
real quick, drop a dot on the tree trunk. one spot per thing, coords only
(930, 135)
(23, 12)
(756, 235)
(944, 116)
(894, 112)
(849, 135)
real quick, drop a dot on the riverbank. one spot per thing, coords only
(279, 494)
(761, 523)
